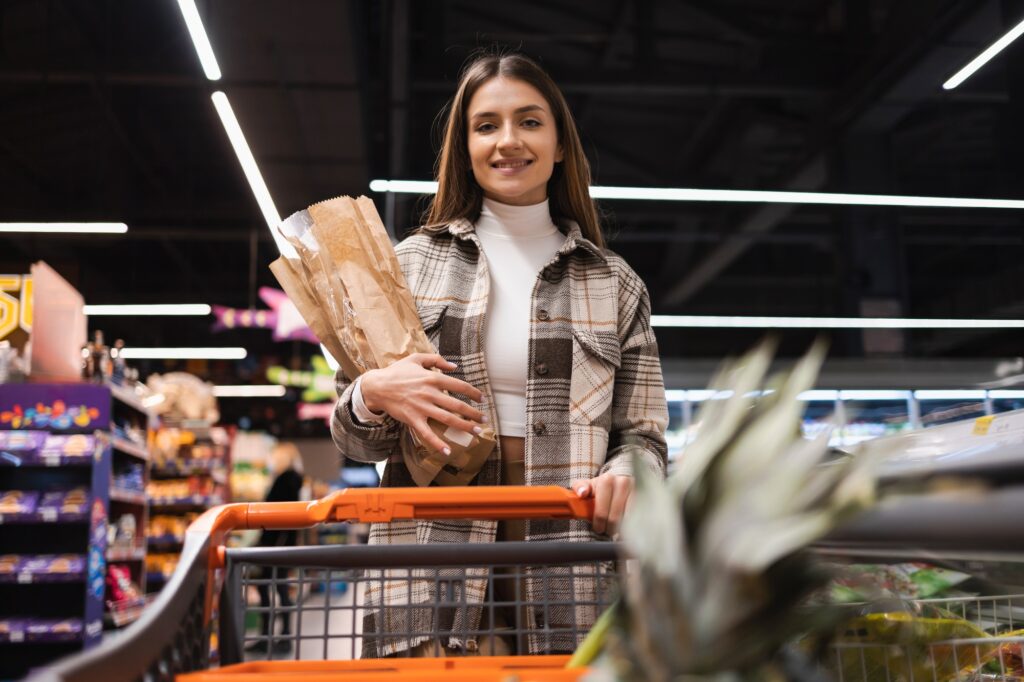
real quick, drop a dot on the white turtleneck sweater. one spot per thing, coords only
(517, 241)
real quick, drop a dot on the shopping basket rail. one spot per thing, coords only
(173, 634)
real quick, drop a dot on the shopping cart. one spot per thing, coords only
(201, 627)
(921, 648)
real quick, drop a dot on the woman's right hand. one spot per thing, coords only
(411, 393)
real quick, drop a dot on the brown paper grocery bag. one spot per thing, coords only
(348, 285)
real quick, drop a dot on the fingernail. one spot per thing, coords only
(477, 430)
(582, 489)
(448, 451)
(484, 419)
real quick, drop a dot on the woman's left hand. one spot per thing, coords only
(611, 494)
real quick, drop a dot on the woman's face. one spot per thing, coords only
(513, 141)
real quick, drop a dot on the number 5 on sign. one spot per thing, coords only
(15, 312)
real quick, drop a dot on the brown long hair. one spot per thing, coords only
(459, 196)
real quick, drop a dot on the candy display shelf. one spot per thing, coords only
(73, 471)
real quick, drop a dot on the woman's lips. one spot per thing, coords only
(511, 167)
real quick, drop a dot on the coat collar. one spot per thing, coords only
(463, 228)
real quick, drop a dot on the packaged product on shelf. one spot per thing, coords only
(9, 563)
(130, 476)
(18, 501)
(53, 564)
(12, 629)
(120, 584)
(77, 445)
(39, 629)
(74, 501)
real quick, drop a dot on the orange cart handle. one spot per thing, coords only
(383, 505)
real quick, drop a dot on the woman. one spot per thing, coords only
(544, 331)
(285, 464)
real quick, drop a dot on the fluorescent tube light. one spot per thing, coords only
(143, 310)
(983, 58)
(673, 396)
(251, 170)
(1006, 394)
(184, 353)
(743, 322)
(264, 391)
(874, 395)
(949, 395)
(819, 395)
(741, 196)
(68, 228)
(200, 39)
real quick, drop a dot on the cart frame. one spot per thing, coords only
(173, 634)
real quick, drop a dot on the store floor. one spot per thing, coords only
(333, 614)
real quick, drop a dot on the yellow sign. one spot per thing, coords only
(15, 308)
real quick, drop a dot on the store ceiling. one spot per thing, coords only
(106, 116)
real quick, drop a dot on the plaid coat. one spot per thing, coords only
(595, 404)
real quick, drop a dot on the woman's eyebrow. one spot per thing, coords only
(520, 110)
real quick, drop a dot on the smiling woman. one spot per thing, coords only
(539, 330)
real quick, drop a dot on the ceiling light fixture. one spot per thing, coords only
(67, 228)
(243, 391)
(984, 58)
(251, 170)
(163, 309)
(199, 38)
(744, 322)
(741, 196)
(226, 353)
(940, 394)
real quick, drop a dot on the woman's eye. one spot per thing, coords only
(485, 128)
(531, 123)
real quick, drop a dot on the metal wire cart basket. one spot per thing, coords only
(206, 624)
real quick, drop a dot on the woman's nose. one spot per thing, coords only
(509, 138)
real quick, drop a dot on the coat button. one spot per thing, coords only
(543, 315)
(539, 428)
(541, 368)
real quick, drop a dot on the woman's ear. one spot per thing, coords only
(559, 155)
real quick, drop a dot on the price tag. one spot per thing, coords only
(24, 578)
(18, 636)
(49, 514)
(51, 460)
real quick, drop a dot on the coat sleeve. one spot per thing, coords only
(358, 441)
(639, 410)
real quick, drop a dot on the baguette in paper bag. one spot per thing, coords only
(346, 282)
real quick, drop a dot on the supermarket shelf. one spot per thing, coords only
(44, 516)
(129, 448)
(35, 630)
(45, 460)
(126, 554)
(127, 396)
(35, 578)
(153, 579)
(127, 496)
(168, 541)
(185, 503)
(180, 470)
